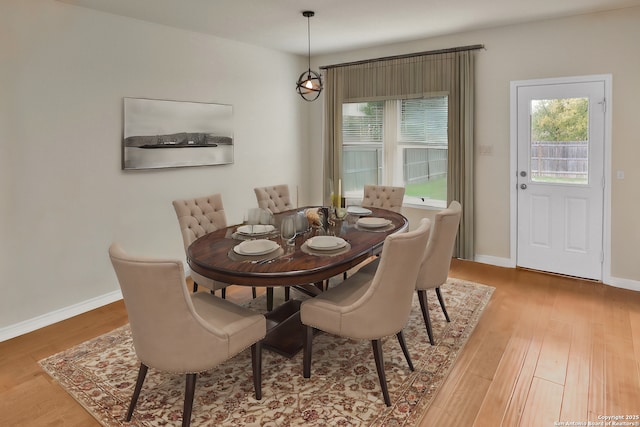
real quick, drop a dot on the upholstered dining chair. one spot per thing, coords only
(385, 197)
(437, 260)
(177, 331)
(365, 307)
(275, 198)
(436, 263)
(196, 218)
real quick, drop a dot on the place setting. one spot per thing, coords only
(256, 251)
(358, 211)
(258, 223)
(374, 224)
(245, 232)
(325, 245)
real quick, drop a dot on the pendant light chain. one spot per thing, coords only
(309, 40)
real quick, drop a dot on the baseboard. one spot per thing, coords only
(632, 285)
(492, 260)
(56, 316)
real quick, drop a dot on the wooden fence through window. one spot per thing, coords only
(563, 159)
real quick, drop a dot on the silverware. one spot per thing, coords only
(265, 261)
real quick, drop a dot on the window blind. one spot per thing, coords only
(424, 121)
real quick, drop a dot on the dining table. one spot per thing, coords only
(304, 265)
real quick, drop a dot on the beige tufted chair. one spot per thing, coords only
(385, 197)
(198, 217)
(275, 198)
(365, 307)
(178, 332)
(437, 260)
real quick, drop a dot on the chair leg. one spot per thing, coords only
(403, 345)
(224, 293)
(444, 310)
(377, 354)
(142, 373)
(256, 365)
(287, 293)
(195, 287)
(306, 358)
(253, 292)
(422, 297)
(269, 299)
(190, 389)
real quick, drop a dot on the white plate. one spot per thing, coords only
(373, 222)
(253, 230)
(358, 210)
(256, 247)
(326, 243)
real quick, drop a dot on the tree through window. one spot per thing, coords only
(559, 140)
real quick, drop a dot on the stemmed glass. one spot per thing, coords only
(266, 217)
(253, 217)
(288, 230)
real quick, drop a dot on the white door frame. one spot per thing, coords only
(513, 169)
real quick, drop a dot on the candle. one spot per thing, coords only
(339, 190)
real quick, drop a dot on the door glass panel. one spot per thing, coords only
(560, 140)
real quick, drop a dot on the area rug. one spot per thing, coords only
(343, 388)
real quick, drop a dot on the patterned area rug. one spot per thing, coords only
(343, 388)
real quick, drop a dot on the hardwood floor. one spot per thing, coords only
(547, 348)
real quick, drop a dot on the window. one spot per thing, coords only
(401, 142)
(560, 141)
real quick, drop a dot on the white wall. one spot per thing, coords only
(602, 43)
(64, 72)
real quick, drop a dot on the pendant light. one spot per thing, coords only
(309, 83)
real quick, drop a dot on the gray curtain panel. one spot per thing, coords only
(413, 76)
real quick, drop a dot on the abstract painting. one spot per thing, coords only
(168, 134)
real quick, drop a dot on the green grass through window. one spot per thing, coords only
(434, 189)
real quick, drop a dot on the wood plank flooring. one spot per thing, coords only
(547, 348)
(552, 348)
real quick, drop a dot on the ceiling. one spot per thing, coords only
(342, 24)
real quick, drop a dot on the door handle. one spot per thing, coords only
(523, 186)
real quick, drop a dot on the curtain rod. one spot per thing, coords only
(407, 55)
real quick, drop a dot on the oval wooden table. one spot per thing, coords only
(212, 256)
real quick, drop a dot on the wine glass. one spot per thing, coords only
(253, 217)
(288, 230)
(266, 217)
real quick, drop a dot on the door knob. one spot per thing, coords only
(523, 186)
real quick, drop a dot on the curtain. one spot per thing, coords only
(411, 77)
(332, 162)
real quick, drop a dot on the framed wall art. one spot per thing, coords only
(169, 134)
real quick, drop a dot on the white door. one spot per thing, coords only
(560, 177)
